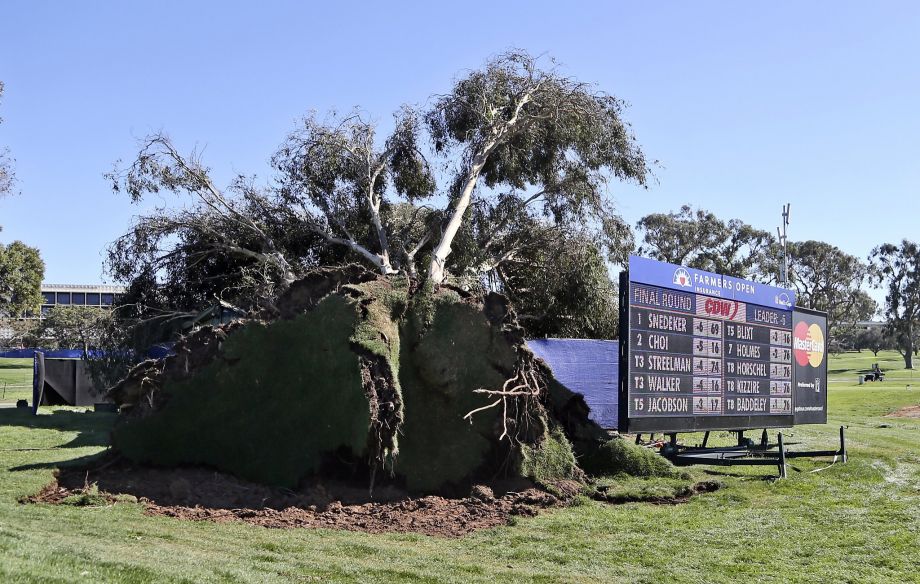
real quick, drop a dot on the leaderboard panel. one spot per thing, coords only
(691, 354)
(698, 361)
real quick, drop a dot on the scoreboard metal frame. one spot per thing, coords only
(744, 356)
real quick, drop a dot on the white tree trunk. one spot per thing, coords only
(384, 257)
(437, 271)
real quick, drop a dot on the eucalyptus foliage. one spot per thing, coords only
(897, 268)
(699, 239)
(513, 164)
(829, 279)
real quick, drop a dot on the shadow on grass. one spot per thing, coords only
(79, 463)
(738, 475)
(25, 367)
(92, 428)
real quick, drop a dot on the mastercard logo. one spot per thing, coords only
(808, 344)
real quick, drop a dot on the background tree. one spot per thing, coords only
(16, 333)
(897, 268)
(699, 239)
(21, 274)
(6, 164)
(75, 327)
(874, 339)
(561, 288)
(826, 278)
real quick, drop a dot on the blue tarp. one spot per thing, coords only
(586, 366)
(51, 354)
(160, 351)
(154, 352)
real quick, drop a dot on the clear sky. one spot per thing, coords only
(747, 105)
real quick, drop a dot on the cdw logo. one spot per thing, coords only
(723, 308)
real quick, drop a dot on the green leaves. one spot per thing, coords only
(699, 239)
(829, 279)
(897, 268)
(21, 274)
(75, 327)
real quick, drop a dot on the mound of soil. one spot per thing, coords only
(200, 494)
(359, 374)
(906, 412)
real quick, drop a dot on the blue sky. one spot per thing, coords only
(747, 105)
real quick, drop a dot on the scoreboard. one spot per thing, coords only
(701, 351)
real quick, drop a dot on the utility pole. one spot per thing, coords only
(781, 234)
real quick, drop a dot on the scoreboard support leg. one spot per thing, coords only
(843, 446)
(841, 452)
(782, 455)
(671, 448)
(746, 453)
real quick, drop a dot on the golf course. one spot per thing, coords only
(853, 522)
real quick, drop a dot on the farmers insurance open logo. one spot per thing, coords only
(682, 278)
(808, 344)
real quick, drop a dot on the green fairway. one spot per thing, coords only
(15, 380)
(858, 522)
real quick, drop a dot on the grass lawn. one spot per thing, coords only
(15, 380)
(858, 522)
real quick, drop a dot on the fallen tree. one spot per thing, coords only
(414, 369)
(373, 379)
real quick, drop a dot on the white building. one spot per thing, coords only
(78, 295)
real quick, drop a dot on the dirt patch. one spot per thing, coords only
(427, 515)
(906, 412)
(200, 494)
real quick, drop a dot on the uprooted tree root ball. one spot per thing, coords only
(358, 377)
(367, 379)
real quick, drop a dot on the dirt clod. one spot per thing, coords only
(482, 493)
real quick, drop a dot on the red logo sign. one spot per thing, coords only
(724, 308)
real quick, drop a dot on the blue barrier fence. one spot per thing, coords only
(154, 352)
(589, 367)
